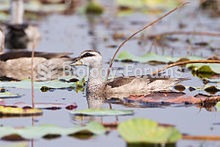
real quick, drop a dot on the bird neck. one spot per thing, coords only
(17, 11)
(95, 80)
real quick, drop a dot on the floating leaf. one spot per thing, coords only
(149, 57)
(167, 99)
(211, 80)
(47, 85)
(147, 3)
(140, 130)
(4, 95)
(218, 106)
(26, 84)
(102, 112)
(94, 8)
(22, 144)
(48, 106)
(37, 7)
(16, 111)
(35, 132)
(205, 68)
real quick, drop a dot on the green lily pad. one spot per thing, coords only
(36, 7)
(4, 95)
(22, 144)
(16, 111)
(212, 80)
(94, 7)
(140, 130)
(218, 106)
(147, 3)
(35, 132)
(149, 57)
(102, 112)
(54, 84)
(205, 68)
(26, 84)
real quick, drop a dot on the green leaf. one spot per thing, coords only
(94, 7)
(212, 80)
(102, 112)
(35, 132)
(147, 3)
(4, 95)
(22, 144)
(205, 68)
(26, 84)
(140, 130)
(54, 84)
(16, 111)
(149, 57)
(218, 106)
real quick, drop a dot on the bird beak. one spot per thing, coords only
(76, 62)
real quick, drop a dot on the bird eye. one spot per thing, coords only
(87, 55)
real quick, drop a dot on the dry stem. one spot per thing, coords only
(145, 27)
(32, 74)
(191, 137)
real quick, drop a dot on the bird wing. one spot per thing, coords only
(120, 81)
(13, 55)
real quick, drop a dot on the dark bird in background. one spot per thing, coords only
(20, 35)
(16, 65)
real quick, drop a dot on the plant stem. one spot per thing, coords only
(145, 27)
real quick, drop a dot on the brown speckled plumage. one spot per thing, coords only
(121, 86)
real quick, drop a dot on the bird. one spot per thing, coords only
(119, 86)
(16, 65)
(2, 40)
(20, 35)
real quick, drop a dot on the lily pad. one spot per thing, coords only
(16, 111)
(35, 132)
(94, 7)
(167, 99)
(205, 68)
(140, 130)
(218, 106)
(22, 144)
(36, 7)
(149, 57)
(211, 80)
(26, 84)
(48, 106)
(147, 3)
(4, 95)
(102, 112)
(54, 84)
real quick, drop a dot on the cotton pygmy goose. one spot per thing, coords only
(130, 85)
(17, 65)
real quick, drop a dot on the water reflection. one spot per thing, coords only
(94, 101)
(92, 23)
(22, 36)
(97, 101)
